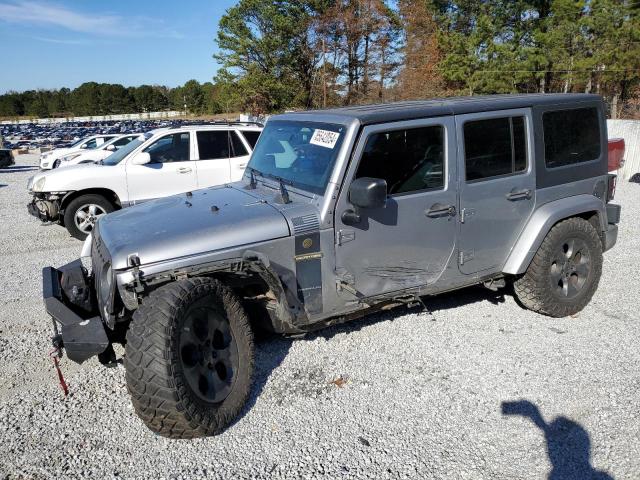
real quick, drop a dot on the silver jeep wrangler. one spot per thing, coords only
(340, 213)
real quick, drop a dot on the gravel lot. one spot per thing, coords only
(422, 395)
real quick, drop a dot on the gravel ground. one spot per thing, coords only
(421, 396)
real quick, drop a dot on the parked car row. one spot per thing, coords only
(32, 136)
(339, 213)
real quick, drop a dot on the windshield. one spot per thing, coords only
(302, 154)
(78, 143)
(117, 156)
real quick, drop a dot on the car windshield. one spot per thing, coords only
(117, 156)
(78, 143)
(302, 154)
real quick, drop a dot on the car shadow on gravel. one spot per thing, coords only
(432, 305)
(272, 349)
(3, 185)
(568, 443)
(18, 169)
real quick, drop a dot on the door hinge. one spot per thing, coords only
(345, 236)
(464, 257)
(465, 213)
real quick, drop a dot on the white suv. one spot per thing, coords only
(94, 155)
(48, 159)
(157, 164)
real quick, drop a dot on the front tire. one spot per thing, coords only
(189, 359)
(565, 271)
(81, 213)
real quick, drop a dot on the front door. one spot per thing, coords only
(170, 171)
(410, 241)
(497, 186)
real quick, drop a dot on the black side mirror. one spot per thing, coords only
(368, 192)
(365, 192)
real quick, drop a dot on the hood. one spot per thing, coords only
(63, 181)
(178, 226)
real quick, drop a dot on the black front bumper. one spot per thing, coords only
(81, 338)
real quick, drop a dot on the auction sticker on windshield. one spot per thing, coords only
(324, 138)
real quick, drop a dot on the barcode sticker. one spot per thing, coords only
(324, 138)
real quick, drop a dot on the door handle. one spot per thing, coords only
(242, 165)
(519, 194)
(438, 210)
(184, 170)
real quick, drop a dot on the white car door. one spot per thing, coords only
(213, 155)
(169, 172)
(240, 154)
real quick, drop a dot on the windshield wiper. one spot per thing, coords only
(252, 181)
(284, 194)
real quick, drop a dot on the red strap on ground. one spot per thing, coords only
(63, 384)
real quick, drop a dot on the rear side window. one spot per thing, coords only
(251, 136)
(571, 136)
(409, 160)
(494, 147)
(237, 147)
(213, 145)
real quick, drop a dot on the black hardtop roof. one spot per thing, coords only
(390, 112)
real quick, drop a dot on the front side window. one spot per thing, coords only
(171, 148)
(409, 160)
(213, 144)
(91, 144)
(121, 142)
(300, 153)
(494, 147)
(571, 136)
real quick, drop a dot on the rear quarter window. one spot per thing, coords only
(251, 136)
(571, 136)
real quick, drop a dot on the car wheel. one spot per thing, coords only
(81, 213)
(189, 359)
(565, 271)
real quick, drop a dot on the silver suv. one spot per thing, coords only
(340, 213)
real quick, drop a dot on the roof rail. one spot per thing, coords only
(228, 123)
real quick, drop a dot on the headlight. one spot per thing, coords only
(70, 157)
(38, 186)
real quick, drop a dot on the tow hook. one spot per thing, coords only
(56, 354)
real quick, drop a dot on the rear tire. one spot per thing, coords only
(565, 271)
(85, 208)
(176, 388)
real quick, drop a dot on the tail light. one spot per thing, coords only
(616, 150)
(611, 187)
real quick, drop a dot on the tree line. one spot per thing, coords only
(93, 98)
(313, 53)
(291, 54)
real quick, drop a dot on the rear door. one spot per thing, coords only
(170, 171)
(497, 186)
(212, 150)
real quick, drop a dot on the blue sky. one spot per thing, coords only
(63, 43)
